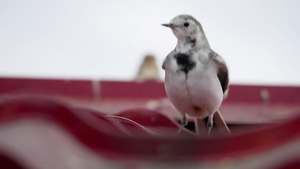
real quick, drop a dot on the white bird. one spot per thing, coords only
(196, 77)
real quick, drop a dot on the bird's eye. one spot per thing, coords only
(186, 24)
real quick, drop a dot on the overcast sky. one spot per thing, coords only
(107, 40)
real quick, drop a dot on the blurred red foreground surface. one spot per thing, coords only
(52, 123)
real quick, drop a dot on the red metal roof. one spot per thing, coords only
(134, 123)
(243, 105)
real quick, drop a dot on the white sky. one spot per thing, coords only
(94, 39)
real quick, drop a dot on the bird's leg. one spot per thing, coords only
(183, 123)
(210, 123)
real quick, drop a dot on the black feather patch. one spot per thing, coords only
(191, 41)
(184, 62)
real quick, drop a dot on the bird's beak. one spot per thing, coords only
(167, 25)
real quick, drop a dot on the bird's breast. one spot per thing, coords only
(195, 86)
(184, 62)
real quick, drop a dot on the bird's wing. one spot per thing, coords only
(222, 70)
(166, 60)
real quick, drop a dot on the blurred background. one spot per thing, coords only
(70, 63)
(95, 39)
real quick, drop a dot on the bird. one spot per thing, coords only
(148, 70)
(196, 77)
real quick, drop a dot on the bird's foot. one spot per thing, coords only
(210, 124)
(183, 123)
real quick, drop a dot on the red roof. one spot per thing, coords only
(135, 123)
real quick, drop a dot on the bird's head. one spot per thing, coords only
(184, 26)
